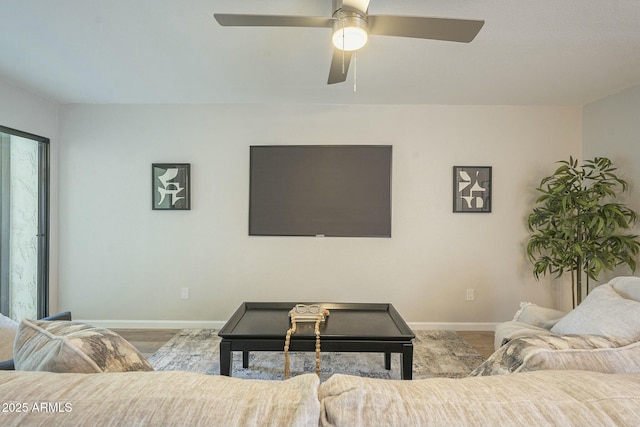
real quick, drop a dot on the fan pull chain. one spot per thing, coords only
(355, 70)
(343, 71)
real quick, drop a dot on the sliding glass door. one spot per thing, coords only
(24, 224)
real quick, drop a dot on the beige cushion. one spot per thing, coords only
(602, 312)
(585, 352)
(162, 398)
(542, 398)
(8, 329)
(63, 346)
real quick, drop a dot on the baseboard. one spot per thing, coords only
(217, 324)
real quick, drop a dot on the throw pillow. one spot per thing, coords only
(8, 329)
(602, 312)
(63, 346)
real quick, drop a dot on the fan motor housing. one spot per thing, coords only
(350, 30)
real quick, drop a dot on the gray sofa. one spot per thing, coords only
(583, 369)
(602, 334)
(600, 313)
(170, 398)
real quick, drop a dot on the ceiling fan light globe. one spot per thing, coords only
(349, 31)
(349, 38)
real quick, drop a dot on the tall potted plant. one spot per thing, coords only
(577, 226)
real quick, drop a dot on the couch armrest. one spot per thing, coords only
(508, 331)
(530, 319)
(535, 315)
(65, 315)
(7, 365)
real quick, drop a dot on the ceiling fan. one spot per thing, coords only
(351, 25)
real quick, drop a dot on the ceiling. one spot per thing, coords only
(542, 52)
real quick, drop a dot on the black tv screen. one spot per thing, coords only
(320, 190)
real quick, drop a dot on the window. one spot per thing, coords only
(24, 224)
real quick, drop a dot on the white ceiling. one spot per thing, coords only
(542, 52)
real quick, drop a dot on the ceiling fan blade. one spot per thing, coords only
(454, 30)
(359, 5)
(235, 20)
(340, 58)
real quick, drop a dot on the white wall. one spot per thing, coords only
(28, 112)
(120, 260)
(612, 129)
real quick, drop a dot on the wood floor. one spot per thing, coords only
(481, 341)
(147, 341)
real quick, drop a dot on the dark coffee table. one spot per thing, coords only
(351, 327)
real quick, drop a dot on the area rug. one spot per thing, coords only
(435, 354)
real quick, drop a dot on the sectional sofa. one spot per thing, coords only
(171, 398)
(577, 369)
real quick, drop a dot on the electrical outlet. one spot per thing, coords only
(184, 293)
(470, 295)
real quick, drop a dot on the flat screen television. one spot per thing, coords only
(320, 190)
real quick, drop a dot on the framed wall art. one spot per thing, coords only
(472, 189)
(171, 186)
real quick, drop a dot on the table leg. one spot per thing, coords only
(407, 361)
(245, 359)
(225, 358)
(387, 360)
